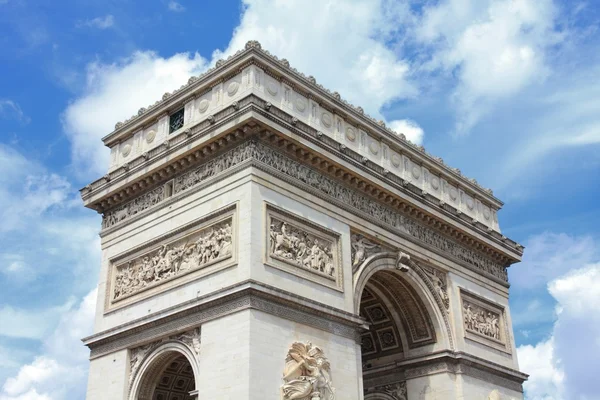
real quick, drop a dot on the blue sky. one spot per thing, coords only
(506, 90)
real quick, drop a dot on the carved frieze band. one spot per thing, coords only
(484, 321)
(303, 249)
(210, 243)
(190, 338)
(325, 187)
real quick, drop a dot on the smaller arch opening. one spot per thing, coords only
(176, 381)
(168, 375)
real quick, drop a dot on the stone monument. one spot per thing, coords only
(262, 239)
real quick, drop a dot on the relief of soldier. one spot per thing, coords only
(301, 248)
(172, 260)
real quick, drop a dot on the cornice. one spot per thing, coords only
(280, 68)
(446, 362)
(245, 295)
(207, 150)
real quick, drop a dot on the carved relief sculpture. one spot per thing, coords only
(291, 244)
(439, 283)
(326, 186)
(307, 374)
(482, 321)
(302, 249)
(171, 260)
(362, 248)
(137, 355)
(396, 391)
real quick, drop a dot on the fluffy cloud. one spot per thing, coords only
(550, 255)
(115, 92)
(545, 377)
(494, 47)
(315, 37)
(60, 371)
(563, 366)
(410, 129)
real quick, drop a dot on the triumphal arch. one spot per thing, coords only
(262, 239)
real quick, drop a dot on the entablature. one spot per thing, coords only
(255, 72)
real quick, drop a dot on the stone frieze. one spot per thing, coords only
(484, 321)
(331, 188)
(306, 250)
(206, 246)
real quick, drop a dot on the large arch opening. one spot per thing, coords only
(399, 320)
(166, 374)
(406, 319)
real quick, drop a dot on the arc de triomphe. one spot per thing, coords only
(262, 238)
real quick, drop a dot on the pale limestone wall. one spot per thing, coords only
(252, 345)
(506, 357)
(262, 195)
(225, 362)
(108, 377)
(434, 387)
(229, 191)
(270, 339)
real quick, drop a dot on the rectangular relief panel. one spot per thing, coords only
(484, 321)
(302, 248)
(199, 248)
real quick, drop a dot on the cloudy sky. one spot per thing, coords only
(506, 90)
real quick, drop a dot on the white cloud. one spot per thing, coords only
(175, 6)
(115, 92)
(564, 117)
(99, 22)
(550, 255)
(59, 373)
(545, 378)
(577, 330)
(316, 38)
(564, 366)
(495, 48)
(409, 128)
(11, 109)
(30, 324)
(27, 190)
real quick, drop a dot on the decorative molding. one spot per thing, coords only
(307, 374)
(196, 83)
(363, 248)
(257, 154)
(308, 132)
(135, 206)
(484, 321)
(199, 248)
(303, 249)
(281, 304)
(440, 284)
(413, 313)
(137, 355)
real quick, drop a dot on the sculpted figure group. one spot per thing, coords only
(171, 260)
(479, 320)
(301, 248)
(307, 374)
